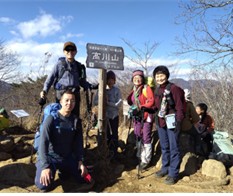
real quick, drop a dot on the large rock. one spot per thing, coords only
(189, 164)
(4, 156)
(19, 174)
(7, 144)
(213, 168)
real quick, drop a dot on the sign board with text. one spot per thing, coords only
(105, 57)
(19, 113)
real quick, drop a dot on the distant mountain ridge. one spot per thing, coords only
(4, 86)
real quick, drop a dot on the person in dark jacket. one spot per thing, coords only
(168, 130)
(67, 74)
(205, 127)
(61, 147)
(190, 121)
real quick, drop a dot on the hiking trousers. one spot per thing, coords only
(144, 132)
(68, 167)
(169, 142)
(112, 134)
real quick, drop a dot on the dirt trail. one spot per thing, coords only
(110, 177)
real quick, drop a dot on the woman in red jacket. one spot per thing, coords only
(141, 98)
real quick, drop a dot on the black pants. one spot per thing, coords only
(208, 140)
(66, 167)
(112, 134)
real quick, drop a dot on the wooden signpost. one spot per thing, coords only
(104, 58)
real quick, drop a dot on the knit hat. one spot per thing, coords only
(161, 69)
(71, 44)
(111, 75)
(138, 73)
(187, 94)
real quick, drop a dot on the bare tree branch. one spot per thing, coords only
(9, 64)
(142, 56)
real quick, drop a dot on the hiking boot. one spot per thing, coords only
(160, 174)
(170, 180)
(142, 166)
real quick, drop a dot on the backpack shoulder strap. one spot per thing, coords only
(170, 99)
(64, 68)
(75, 123)
(81, 70)
(168, 87)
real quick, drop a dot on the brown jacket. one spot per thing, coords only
(191, 117)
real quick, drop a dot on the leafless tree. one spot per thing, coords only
(25, 94)
(208, 37)
(142, 56)
(208, 31)
(9, 63)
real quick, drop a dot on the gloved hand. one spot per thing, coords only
(43, 94)
(178, 126)
(42, 101)
(149, 110)
(90, 86)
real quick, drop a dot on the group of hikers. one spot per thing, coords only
(167, 105)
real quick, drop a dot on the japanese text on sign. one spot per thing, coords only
(106, 57)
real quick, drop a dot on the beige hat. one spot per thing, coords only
(69, 44)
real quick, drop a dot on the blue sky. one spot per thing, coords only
(32, 27)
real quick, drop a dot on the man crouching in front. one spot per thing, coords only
(61, 146)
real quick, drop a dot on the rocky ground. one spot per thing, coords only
(17, 169)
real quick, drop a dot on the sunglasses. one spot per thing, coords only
(70, 49)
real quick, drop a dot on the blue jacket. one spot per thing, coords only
(62, 142)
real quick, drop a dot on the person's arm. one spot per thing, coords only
(118, 98)
(78, 142)
(50, 79)
(83, 78)
(78, 148)
(44, 142)
(178, 97)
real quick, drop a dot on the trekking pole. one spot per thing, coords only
(140, 142)
(37, 127)
(139, 158)
(130, 124)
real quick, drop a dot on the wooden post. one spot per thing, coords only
(102, 107)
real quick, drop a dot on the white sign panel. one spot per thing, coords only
(19, 113)
(126, 107)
